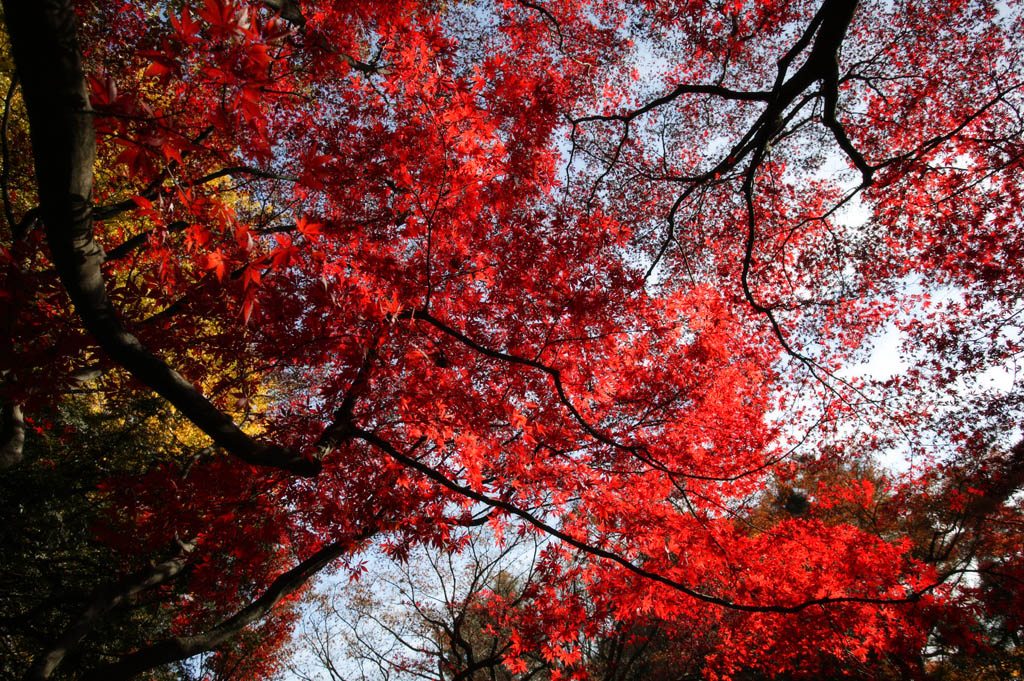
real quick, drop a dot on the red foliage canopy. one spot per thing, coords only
(604, 270)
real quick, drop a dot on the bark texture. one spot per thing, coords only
(47, 56)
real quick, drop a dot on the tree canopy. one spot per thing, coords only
(720, 302)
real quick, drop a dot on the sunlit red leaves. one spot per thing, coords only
(226, 19)
(427, 160)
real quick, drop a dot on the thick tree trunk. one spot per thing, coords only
(43, 37)
(289, 10)
(12, 435)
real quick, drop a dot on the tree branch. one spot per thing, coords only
(12, 434)
(682, 89)
(605, 554)
(289, 10)
(140, 239)
(638, 451)
(43, 35)
(184, 647)
(155, 189)
(102, 601)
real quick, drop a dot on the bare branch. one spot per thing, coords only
(682, 89)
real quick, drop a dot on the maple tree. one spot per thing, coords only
(603, 271)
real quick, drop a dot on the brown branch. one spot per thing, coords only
(155, 189)
(290, 11)
(831, 92)
(102, 601)
(365, 68)
(45, 46)
(827, 30)
(933, 143)
(184, 647)
(549, 17)
(243, 170)
(638, 451)
(142, 238)
(5, 172)
(605, 554)
(682, 89)
(12, 434)
(554, 373)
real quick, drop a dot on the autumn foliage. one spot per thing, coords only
(721, 298)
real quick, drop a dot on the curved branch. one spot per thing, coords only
(289, 10)
(184, 647)
(102, 601)
(556, 27)
(156, 188)
(43, 35)
(554, 373)
(675, 93)
(605, 554)
(830, 90)
(638, 451)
